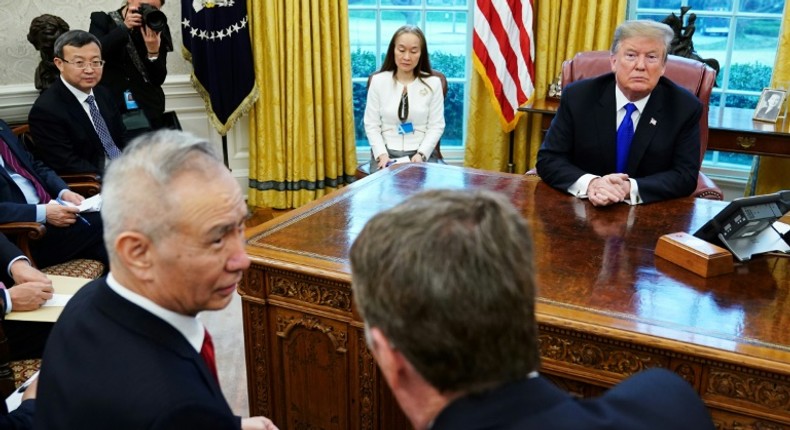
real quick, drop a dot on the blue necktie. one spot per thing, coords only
(624, 135)
(101, 129)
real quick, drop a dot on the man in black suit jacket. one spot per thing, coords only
(65, 133)
(67, 236)
(128, 351)
(579, 152)
(455, 335)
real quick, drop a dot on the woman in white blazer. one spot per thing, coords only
(404, 115)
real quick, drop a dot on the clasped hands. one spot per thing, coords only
(608, 190)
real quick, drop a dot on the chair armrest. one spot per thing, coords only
(707, 189)
(81, 177)
(22, 233)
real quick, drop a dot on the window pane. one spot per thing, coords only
(454, 115)
(446, 36)
(659, 4)
(713, 5)
(446, 3)
(360, 92)
(401, 2)
(753, 54)
(361, 2)
(393, 20)
(761, 6)
(361, 26)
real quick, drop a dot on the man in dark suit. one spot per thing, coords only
(27, 187)
(594, 150)
(455, 335)
(128, 351)
(75, 126)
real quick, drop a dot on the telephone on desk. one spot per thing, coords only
(749, 225)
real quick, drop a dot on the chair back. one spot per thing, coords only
(695, 76)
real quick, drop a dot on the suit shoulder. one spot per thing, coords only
(589, 84)
(677, 91)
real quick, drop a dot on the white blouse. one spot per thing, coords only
(426, 113)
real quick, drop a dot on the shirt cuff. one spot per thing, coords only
(8, 269)
(579, 188)
(41, 213)
(634, 198)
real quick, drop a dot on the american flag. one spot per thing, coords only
(503, 52)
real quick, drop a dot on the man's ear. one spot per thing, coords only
(394, 366)
(135, 252)
(59, 63)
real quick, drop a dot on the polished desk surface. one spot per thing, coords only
(731, 129)
(596, 268)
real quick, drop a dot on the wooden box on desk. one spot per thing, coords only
(694, 254)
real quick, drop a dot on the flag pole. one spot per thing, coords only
(511, 168)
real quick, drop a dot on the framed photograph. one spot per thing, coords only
(770, 105)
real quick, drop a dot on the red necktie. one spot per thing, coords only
(11, 161)
(207, 352)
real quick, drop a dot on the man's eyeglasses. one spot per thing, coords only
(95, 64)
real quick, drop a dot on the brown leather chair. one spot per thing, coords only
(364, 168)
(690, 74)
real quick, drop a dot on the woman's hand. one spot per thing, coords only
(152, 40)
(416, 158)
(383, 160)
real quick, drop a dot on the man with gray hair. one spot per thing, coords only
(128, 351)
(75, 125)
(629, 136)
(449, 311)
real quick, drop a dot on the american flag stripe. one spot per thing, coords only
(503, 50)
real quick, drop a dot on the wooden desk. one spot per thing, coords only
(607, 307)
(730, 129)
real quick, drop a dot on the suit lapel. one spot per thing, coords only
(142, 322)
(78, 114)
(606, 133)
(21, 155)
(646, 129)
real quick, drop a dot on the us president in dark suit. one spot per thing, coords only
(128, 351)
(454, 332)
(67, 236)
(580, 151)
(67, 136)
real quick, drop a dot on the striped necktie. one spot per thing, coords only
(11, 161)
(101, 129)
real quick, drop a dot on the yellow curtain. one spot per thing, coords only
(302, 143)
(562, 28)
(771, 174)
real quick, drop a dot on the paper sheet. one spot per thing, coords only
(65, 287)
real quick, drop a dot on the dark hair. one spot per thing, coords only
(448, 277)
(75, 38)
(423, 68)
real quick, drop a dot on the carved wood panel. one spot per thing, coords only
(311, 354)
(307, 290)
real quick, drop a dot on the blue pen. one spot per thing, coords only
(79, 217)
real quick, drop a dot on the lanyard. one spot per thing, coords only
(403, 108)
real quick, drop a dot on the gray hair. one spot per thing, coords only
(75, 38)
(643, 28)
(448, 277)
(136, 193)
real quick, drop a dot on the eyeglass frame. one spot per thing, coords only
(86, 63)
